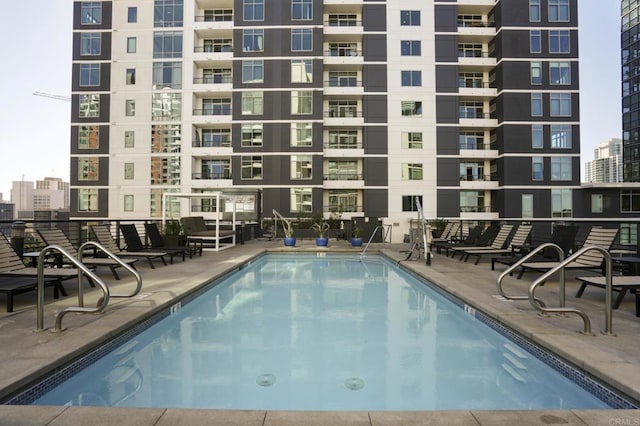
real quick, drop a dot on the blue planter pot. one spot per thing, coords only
(356, 242)
(322, 241)
(290, 241)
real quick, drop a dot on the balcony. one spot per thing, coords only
(477, 182)
(343, 117)
(343, 54)
(476, 59)
(478, 151)
(343, 86)
(343, 150)
(479, 89)
(478, 213)
(215, 52)
(475, 30)
(343, 23)
(213, 83)
(473, 119)
(212, 115)
(343, 180)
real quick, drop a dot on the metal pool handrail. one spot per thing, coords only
(82, 269)
(384, 238)
(585, 318)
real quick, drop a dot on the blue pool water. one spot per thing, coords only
(302, 332)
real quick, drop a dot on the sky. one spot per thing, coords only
(37, 58)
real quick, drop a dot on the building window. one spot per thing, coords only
(166, 106)
(129, 139)
(301, 200)
(473, 110)
(534, 10)
(215, 169)
(90, 44)
(301, 167)
(537, 136)
(167, 44)
(537, 168)
(167, 13)
(561, 168)
(536, 104)
(130, 107)
(410, 48)
(89, 105)
(252, 103)
(536, 72)
(472, 202)
(128, 171)
(628, 234)
(558, 10)
(345, 109)
(411, 108)
(596, 203)
(341, 201)
(411, 78)
(561, 136)
(253, 10)
(560, 104)
(132, 44)
(301, 134)
(165, 170)
(251, 167)
(165, 138)
(132, 14)
(217, 76)
(252, 71)
(131, 76)
(559, 41)
(301, 39)
(253, 40)
(216, 106)
(88, 137)
(251, 135)
(630, 200)
(87, 200)
(301, 71)
(214, 138)
(409, 204)
(412, 171)
(301, 102)
(128, 203)
(535, 41)
(561, 203)
(167, 75)
(89, 74)
(91, 13)
(343, 139)
(410, 17)
(559, 73)
(302, 10)
(88, 169)
(411, 140)
(343, 78)
(342, 170)
(527, 206)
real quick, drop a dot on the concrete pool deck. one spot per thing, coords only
(28, 355)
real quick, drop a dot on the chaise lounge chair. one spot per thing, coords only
(516, 243)
(472, 239)
(134, 243)
(158, 243)
(620, 284)
(57, 236)
(197, 232)
(499, 242)
(102, 234)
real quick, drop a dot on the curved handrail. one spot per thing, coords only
(82, 269)
(116, 259)
(284, 221)
(560, 267)
(516, 265)
(384, 238)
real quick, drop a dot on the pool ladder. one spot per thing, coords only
(373, 234)
(82, 270)
(560, 267)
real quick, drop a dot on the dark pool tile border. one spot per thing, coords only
(609, 396)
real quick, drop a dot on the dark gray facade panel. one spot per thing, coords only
(374, 78)
(446, 48)
(517, 75)
(447, 141)
(516, 44)
(105, 48)
(447, 111)
(107, 13)
(277, 13)
(375, 139)
(374, 47)
(448, 203)
(375, 108)
(518, 171)
(374, 17)
(105, 79)
(103, 142)
(509, 202)
(376, 202)
(446, 18)
(276, 106)
(447, 79)
(517, 107)
(516, 138)
(278, 199)
(516, 13)
(103, 204)
(105, 103)
(376, 171)
(448, 172)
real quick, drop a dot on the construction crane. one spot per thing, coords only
(52, 96)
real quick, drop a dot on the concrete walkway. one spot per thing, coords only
(29, 355)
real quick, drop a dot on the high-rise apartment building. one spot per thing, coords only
(630, 43)
(606, 167)
(351, 107)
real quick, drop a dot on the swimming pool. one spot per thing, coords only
(302, 332)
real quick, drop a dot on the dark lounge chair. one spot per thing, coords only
(134, 243)
(103, 236)
(470, 240)
(158, 242)
(57, 236)
(18, 285)
(516, 243)
(619, 284)
(499, 242)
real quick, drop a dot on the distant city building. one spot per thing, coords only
(607, 164)
(22, 195)
(630, 44)
(48, 194)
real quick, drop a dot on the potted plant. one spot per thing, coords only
(172, 231)
(289, 239)
(356, 240)
(321, 229)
